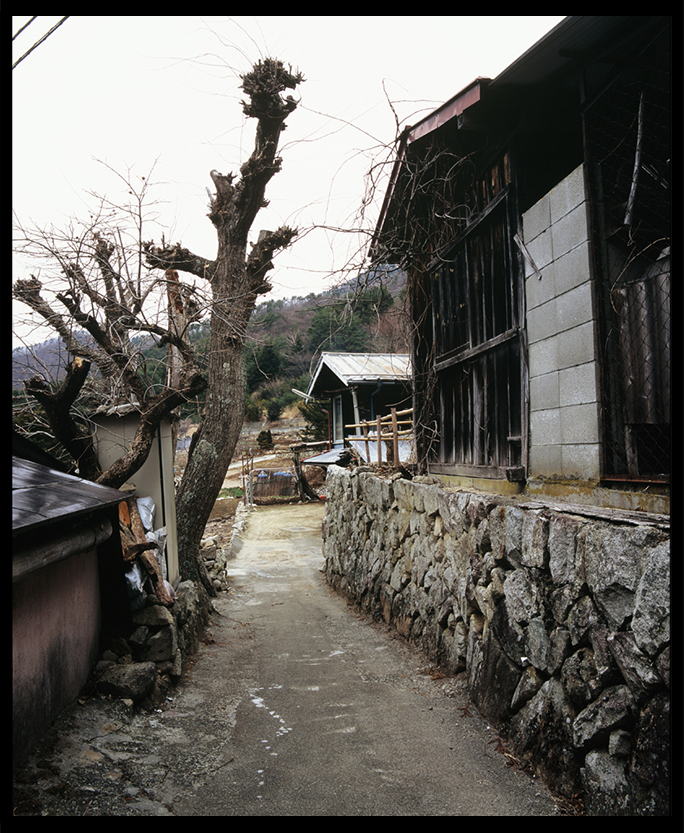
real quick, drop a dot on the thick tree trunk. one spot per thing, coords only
(212, 452)
(224, 410)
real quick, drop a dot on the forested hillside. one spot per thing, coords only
(47, 358)
(285, 337)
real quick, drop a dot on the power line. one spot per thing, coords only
(24, 26)
(45, 36)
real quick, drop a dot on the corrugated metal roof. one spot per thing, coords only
(327, 458)
(355, 368)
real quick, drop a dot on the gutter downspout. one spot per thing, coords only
(355, 401)
(371, 399)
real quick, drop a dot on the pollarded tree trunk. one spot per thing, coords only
(213, 446)
(237, 279)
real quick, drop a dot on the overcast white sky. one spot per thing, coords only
(131, 90)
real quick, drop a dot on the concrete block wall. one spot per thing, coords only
(561, 328)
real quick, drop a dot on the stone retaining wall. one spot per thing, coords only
(559, 620)
(144, 665)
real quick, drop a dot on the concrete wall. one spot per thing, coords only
(55, 630)
(154, 479)
(558, 618)
(561, 328)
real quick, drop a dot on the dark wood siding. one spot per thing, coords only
(628, 150)
(478, 337)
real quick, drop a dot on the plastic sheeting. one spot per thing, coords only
(136, 577)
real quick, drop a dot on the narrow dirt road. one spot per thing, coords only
(296, 705)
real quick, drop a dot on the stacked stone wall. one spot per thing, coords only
(559, 620)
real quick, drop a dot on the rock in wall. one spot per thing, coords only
(143, 665)
(559, 620)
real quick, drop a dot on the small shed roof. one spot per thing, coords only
(42, 496)
(328, 458)
(360, 368)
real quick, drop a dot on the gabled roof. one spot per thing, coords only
(360, 368)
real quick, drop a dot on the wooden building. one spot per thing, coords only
(360, 387)
(532, 214)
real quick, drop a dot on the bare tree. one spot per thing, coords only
(103, 295)
(236, 279)
(105, 300)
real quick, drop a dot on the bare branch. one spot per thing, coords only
(259, 261)
(57, 408)
(235, 206)
(28, 291)
(154, 411)
(176, 257)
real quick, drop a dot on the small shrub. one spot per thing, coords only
(252, 410)
(265, 440)
(274, 409)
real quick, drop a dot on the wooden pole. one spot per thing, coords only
(395, 438)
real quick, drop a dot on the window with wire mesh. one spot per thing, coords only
(627, 130)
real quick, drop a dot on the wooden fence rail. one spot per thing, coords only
(387, 430)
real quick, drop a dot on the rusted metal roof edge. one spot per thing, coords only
(455, 106)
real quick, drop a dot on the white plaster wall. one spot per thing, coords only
(154, 479)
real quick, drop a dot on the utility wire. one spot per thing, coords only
(24, 26)
(45, 36)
